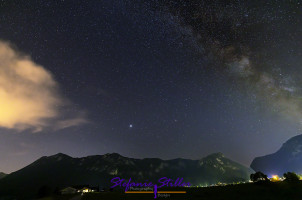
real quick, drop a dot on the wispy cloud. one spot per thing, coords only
(29, 95)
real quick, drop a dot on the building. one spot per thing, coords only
(85, 190)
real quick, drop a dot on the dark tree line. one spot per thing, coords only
(259, 176)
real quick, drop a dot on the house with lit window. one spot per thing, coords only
(85, 190)
(79, 189)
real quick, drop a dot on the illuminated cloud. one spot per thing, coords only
(29, 97)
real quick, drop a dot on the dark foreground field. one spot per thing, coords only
(249, 191)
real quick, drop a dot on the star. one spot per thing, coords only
(130, 125)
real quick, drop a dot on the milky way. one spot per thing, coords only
(258, 44)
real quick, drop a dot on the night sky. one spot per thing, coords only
(146, 78)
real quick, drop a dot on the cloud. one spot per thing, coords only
(71, 122)
(29, 95)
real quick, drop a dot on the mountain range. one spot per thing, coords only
(2, 175)
(61, 170)
(287, 159)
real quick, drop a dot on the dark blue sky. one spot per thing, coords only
(160, 79)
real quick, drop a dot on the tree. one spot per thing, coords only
(291, 177)
(57, 191)
(258, 176)
(44, 191)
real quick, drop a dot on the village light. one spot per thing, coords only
(275, 178)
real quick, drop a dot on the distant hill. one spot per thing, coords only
(287, 158)
(2, 175)
(61, 170)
